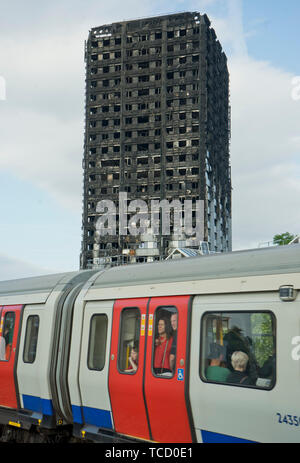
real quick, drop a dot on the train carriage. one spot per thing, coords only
(68, 339)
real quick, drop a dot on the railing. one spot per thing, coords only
(115, 261)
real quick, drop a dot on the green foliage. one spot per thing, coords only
(283, 238)
(262, 336)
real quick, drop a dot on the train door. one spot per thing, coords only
(167, 369)
(93, 368)
(127, 368)
(9, 329)
(234, 386)
(31, 359)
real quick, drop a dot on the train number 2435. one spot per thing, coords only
(288, 419)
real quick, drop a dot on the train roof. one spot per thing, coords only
(37, 289)
(193, 275)
(272, 260)
(163, 278)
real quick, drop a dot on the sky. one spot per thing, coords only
(42, 80)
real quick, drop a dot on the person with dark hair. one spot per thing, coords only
(174, 324)
(268, 368)
(215, 371)
(235, 341)
(133, 360)
(163, 344)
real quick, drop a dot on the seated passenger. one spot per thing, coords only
(268, 368)
(239, 362)
(133, 360)
(215, 371)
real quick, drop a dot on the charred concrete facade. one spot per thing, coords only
(157, 124)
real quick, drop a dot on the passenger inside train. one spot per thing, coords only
(241, 342)
(239, 361)
(217, 371)
(165, 341)
(163, 345)
(8, 331)
(129, 340)
(133, 359)
(268, 368)
(174, 324)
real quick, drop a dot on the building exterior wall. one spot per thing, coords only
(157, 124)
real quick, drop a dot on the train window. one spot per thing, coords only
(165, 341)
(31, 337)
(239, 348)
(128, 356)
(97, 342)
(7, 335)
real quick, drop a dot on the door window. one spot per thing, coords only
(97, 342)
(128, 355)
(31, 337)
(165, 341)
(7, 335)
(239, 348)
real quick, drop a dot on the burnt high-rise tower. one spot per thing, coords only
(157, 123)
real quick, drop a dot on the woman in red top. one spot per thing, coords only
(163, 344)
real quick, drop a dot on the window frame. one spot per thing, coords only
(3, 330)
(31, 316)
(202, 340)
(90, 338)
(124, 372)
(176, 311)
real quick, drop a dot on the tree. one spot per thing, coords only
(283, 238)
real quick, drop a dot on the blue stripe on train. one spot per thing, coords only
(94, 416)
(37, 404)
(215, 438)
(77, 414)
(102, 418)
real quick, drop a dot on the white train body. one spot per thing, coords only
(69, 338)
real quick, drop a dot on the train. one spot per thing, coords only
(194, 350)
